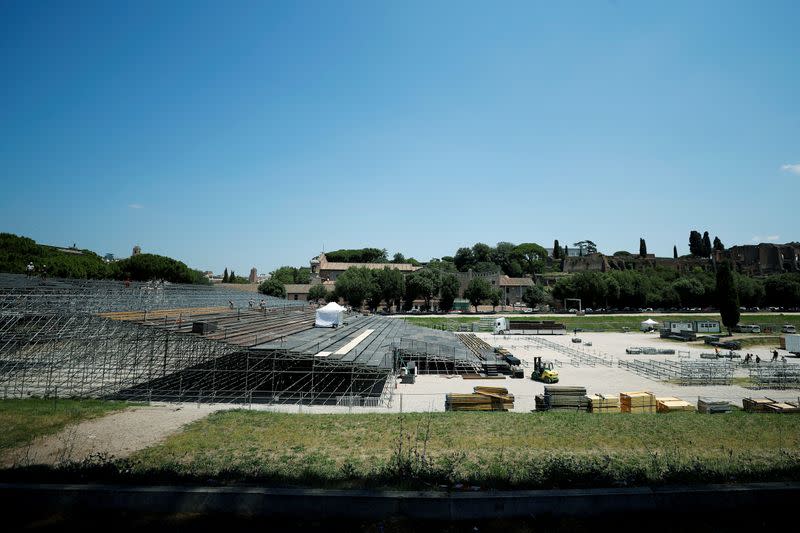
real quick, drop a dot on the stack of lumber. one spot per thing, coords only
(757, 405)
(711, 406)
(483, 399)
(782, 407)
(637, 402)
(603, 403)
(541, 403)
(669, 404)
(565, 398)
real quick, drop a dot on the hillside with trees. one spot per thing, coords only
(16, 252)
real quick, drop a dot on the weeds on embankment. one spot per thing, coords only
(454, 450)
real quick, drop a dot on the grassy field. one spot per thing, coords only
(23, 420)
(500, 450)
(608, 322)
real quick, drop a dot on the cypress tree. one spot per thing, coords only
(642, 248)
(232, 278)
(706, 245)
(718, 246)
(695, 243)
(225, 276)
(727, 297)
(675, 252)
(556, 249)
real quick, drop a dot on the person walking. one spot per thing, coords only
(30, 269)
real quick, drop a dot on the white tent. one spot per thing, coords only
(329, 316)
(648, 324)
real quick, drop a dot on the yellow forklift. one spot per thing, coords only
(544, 372)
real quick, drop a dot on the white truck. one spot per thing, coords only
(791, 343)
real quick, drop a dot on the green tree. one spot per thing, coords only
(706, 245)
(675, 252)
(355, 285)
(232, 277)
(225, 277)
(391, 284)
(398, 258)
(718, 246)
(586, 247)
(331, 297)
(727, 297)
(534, 295)
(464, 259)
(532, 257)
(317, 292)
(448, 292)
(696, 243)
(477, 291)
(495, 297)
(361, 255)
(642, 248)
(482, 252)
(690, 291)
(425, 284)
(272, 287)
(556, 250)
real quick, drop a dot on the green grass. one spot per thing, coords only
(764, 340)
(608, 322)
(23, 420)
(498, 450)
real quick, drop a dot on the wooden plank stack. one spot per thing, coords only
(711, 406)
(604, 403)
(637, 402)
(782, 407)
(482, 399)
(670, 404)
(565, 398)
(756, 405)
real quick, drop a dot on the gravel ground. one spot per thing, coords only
(118, 434)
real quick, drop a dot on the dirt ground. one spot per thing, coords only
(118, 434)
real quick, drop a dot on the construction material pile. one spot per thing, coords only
(670, 404)
(711, 406)
(483, 399)
(604, 403)
(564, 398)
(757, 405)
(783, 407)
(637, 402)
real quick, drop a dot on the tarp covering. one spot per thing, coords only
(329, 316)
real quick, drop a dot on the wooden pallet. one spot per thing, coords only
(637, 402)
(671, 404)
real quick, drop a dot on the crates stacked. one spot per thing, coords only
(711, 406)
(604, 403)
(670, 404)
(637, 402)
(565, 398)
(483, 399)
(756, 405)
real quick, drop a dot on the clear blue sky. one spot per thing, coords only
(253, 134)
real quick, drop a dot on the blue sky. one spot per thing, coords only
(246, 134)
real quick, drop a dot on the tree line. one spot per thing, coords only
(16, 252)
(667, 288)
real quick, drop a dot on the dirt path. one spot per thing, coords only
(118, 434)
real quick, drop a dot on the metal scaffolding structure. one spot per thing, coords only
(170, 342)
(775, 376)
(683, 371)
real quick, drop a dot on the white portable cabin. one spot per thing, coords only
(329, 316)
